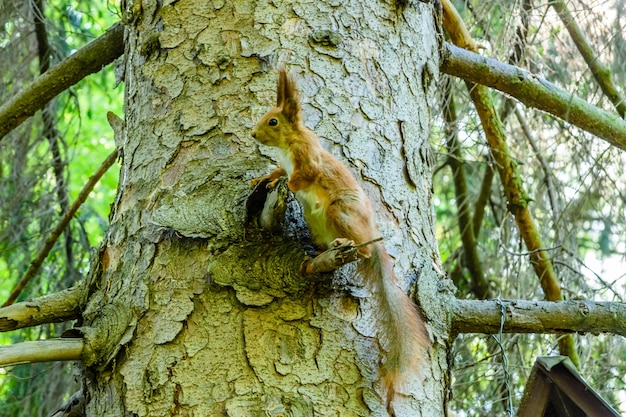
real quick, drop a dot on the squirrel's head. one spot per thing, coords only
(278, 125)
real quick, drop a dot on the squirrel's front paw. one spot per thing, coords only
(270, 184)
(341, 241)
(255, 181)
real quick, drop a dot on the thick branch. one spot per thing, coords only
(41, 351)
(478, 316)
(53, 308)
(87, 60)
(534, 92)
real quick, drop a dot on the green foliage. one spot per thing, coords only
(30, 196)
(85, 125)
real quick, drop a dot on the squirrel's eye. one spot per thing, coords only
(273, 122)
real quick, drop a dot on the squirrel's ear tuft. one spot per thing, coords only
(288, 96)
(291, 109)
(281, 88)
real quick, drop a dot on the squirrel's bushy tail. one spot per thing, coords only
(402, 330)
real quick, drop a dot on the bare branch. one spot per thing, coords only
(554, 317)
(535, 92)
(87, 60)
(41, 351)
(53, 308)
(455, 27)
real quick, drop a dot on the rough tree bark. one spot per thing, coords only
(190, 310)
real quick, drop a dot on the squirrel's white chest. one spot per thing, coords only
(314, 207)
(284, 157)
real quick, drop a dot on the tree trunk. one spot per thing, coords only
(192, 311)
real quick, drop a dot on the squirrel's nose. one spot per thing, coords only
(254, 133)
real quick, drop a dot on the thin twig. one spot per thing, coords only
(54, 235)
(545, 167)
(369, 242)
(50, 131)
(478, 284)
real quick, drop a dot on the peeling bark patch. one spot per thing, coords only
(325, 37)
(273, 403)
(168, 80)
(252, 298)
(372, 109)
(196, 337)
(284, 351)
(346, 369)
(280, 349)
(166, 330)
(344, 308)
(410, 148)
(173, 34)
(405, 158)
(332, 394)
(326, 42)
(175, 308)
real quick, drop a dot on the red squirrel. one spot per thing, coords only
(336, 209)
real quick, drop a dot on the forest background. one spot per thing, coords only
(576, 184)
